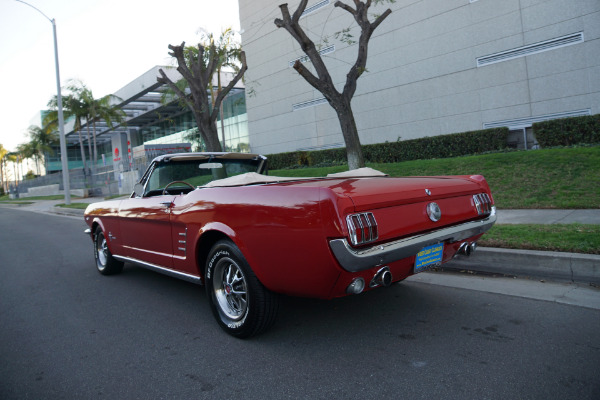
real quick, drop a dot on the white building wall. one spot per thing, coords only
(423, 78)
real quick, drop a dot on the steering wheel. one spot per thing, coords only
(174, 182)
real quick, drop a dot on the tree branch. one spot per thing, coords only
(380, 19)
(165, 80)
(177, 53)
(227, 89)
(346, 7)
(308, 47)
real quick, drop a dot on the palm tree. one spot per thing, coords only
(73, 107)
(80, 104)
(3, 153)
(101, 109)
(11, 157)
(25, 151)
(41, 142)
(229, 53)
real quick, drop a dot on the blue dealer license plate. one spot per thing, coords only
(428, 257)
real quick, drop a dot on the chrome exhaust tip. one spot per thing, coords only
(383, 277)
(467, 248)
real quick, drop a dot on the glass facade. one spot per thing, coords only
(179, 128)
(183, 128)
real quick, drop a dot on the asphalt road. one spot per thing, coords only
(69, 333)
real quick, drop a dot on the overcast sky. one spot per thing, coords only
(104, 43)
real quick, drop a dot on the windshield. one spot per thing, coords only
(195, 173)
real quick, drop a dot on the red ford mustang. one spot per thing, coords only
(218, 219)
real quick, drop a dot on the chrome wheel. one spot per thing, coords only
(106, 264)
(102, 249)
(230, 290)
(242, 306)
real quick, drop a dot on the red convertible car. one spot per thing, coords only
(219, 220)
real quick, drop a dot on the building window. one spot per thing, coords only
(523, 51)
(307, 104)
(314, 7)
(303, 59)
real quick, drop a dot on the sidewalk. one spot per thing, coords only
(572, 267)
(549, 216)
(49, 206)
(551, 265)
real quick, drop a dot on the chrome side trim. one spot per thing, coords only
(161, 270)
(354, 260)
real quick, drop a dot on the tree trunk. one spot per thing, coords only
(211, 134)
(89, 140)
(82, 149)
(85, 173)
(92, 160)
(350, 133)
(95, 147)
(2, 174)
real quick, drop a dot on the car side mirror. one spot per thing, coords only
(138, 190)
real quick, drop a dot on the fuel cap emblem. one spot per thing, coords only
(434, 212)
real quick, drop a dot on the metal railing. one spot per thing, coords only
(102, 181)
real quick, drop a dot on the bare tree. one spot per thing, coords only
(198, 69)
(340, 101)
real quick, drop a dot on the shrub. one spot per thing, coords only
(444, 146)
(568, 131)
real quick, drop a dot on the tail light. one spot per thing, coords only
(362, 228)
(483, 203)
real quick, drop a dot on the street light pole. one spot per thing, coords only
(61, 120)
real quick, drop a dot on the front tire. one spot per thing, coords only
(105, 262)
(242, 306)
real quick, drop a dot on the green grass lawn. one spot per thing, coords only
(52, 197)
(555, 178)
(573, 238)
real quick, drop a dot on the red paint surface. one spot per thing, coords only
(283, 230)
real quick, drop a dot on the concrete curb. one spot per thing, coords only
(551, 265)
(8, 205)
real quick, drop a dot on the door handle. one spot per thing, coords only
(167, 204)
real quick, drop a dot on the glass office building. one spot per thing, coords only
(150, 120)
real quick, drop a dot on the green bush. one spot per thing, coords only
(444, 146)
(568, 131)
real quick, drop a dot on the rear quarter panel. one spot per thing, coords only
(281, 230)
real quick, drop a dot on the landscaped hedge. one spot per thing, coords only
(444, 146)
(568, 131)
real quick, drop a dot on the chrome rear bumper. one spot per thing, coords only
(354, 260)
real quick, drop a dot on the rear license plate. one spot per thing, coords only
(428, 257)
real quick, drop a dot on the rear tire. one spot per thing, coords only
(105, 262)
(242, 306)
